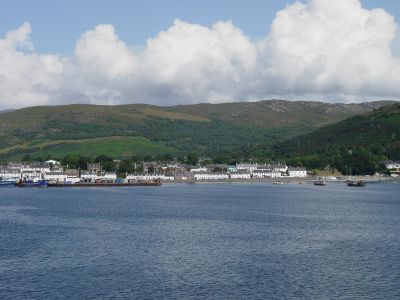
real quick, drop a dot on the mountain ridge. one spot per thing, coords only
(202, 128)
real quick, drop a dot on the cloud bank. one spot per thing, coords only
(321, 49)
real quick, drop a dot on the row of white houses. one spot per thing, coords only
(71, 176)
(149, 177)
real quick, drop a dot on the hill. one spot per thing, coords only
(355, 145)
(202, 128)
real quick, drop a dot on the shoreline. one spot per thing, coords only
(293, 180)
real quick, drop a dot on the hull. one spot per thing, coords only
(356, 183)
(28, 184)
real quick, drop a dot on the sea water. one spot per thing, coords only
(194, 241)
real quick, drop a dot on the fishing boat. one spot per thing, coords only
(358, 183)
(30, 183)
(277, 182)
(320, 182)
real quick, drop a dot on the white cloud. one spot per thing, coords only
(329, 47)
(321, 49)
(26, 78)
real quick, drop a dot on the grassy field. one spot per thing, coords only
(116, 146)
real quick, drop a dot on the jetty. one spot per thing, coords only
(103, 184)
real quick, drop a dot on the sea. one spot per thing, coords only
(201, 241)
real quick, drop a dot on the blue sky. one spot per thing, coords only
(170, 52)
(56, 25)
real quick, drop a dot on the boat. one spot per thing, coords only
(320, 182)
(358, 183)
(30, 183)
(278, 182)
(5, 183)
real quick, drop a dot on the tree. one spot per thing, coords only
(126, 166)
(106, 162)
(192, 159)
(27, 157)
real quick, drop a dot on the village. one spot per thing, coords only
(54, 172)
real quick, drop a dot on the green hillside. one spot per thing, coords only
(203, 128)
(354, 145)
(120, 147)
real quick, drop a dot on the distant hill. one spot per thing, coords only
(355, 145)
(201, 128)
(4, 111)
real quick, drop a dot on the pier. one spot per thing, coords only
(63, 185)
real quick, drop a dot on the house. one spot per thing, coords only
(246, 167)
(231, 168)
(261, 173)
(210, 176)
(392, 165)
(34, 176)
(149, 177)
(56, 176)
(198, 169)
(149, 166)
(52, 162)
(108, 176)
(297, 172)
(88, 176)
(72, 179)
(271, 173)
(183, 176)
(9, 174)
(240, 175)
(37, 167)
(279, 167)
(94, 168)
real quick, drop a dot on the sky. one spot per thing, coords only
(180, 52)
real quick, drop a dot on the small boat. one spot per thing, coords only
(320, 182)
(5, 183)
(358, 183)
(29, 183)
(278, 182)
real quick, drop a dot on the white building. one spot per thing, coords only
(240, 175)
(280, 168)
(9, 174)
(37, 167)
(88, 176)
(261, 174)
(72, 179)
(267, 173)
(52, 161)
(149, 177)
(198, 169)
(297, 172)
(247, 167)
(108, 176)
(56, 176)
(34, 176)
(392, 165)
(211, 176)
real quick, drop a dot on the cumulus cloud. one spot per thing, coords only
(320, 49)
(331, 47)
(26, 78)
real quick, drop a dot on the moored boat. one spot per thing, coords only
(29, 183)
(320, 182)
(358, 183)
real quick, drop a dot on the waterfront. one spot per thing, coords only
(201, 241)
